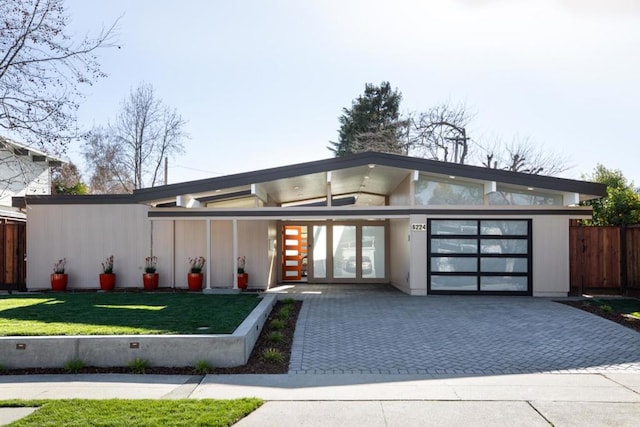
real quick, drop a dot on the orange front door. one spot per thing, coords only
(294, 250)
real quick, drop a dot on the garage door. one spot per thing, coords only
(479, 256)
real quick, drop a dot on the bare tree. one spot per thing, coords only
(131, 151)
(522, 155)
(42, 71)
(108, 174)
(440, 133)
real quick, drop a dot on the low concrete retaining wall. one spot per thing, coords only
(220, 350)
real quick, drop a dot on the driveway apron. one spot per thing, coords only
(385, 332)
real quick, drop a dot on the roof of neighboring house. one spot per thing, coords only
(35, 155)
(370, 173)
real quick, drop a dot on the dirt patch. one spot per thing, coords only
(625, 320)
(256, 364)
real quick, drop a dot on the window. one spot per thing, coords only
(479, 256)
(433, 191)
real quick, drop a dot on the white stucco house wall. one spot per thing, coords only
(423, 226)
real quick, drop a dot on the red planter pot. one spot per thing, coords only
(150, 281)
(243, 280)
(194, 281)
(59, 282)
(107, 281)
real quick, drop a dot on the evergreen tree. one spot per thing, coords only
(372, 123)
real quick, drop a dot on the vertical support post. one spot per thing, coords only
(235, 254)
(623, 260)
(173, 253)
(329, 192)
(208, 264)
(415, 176)
(151, 238)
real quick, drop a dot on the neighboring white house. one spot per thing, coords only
(23, 171)
(426, 227)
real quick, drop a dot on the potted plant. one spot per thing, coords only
(243, 278)
(58, 278)
(150, 278)
(108, 277)
(195, 276)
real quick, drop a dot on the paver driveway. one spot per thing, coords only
(389, 332)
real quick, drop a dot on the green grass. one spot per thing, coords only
(138, 365)
(275, 337)
(628, 306)
(122, 313)
(272, 355)
(202, 367)
(277, 324)
(116, 412)
(73, 366)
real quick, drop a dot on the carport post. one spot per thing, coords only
(208, 254)
(235, 254)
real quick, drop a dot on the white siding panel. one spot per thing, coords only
(399, 253)
(163, 249)
(190, 242)
(550, 256)
(253, 243)
(222, 254)
(401, 195)
(418, 257)
(86, 235)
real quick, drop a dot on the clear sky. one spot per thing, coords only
(262, 83)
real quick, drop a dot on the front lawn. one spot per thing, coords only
(116, 412)
(122, 313)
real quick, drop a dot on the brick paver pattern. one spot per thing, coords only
(392, 333)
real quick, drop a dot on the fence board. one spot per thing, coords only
(597, 256)
(12, 249)
(633, 258)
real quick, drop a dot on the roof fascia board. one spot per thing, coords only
(86, 199)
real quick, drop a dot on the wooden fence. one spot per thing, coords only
(604, 259)
(13, 250)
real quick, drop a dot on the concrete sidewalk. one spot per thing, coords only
(371, 400)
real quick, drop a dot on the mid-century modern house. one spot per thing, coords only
(423, 226)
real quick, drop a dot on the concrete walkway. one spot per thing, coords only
(370, 400)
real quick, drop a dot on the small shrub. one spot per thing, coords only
(284, 313)
(202, 367)
(272, 355)
(275, 337)
(74, 366)
(277, 324)
(288, 301)
(138, 365)
(606, 308)
(2, 368)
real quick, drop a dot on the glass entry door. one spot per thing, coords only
(335, 252)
